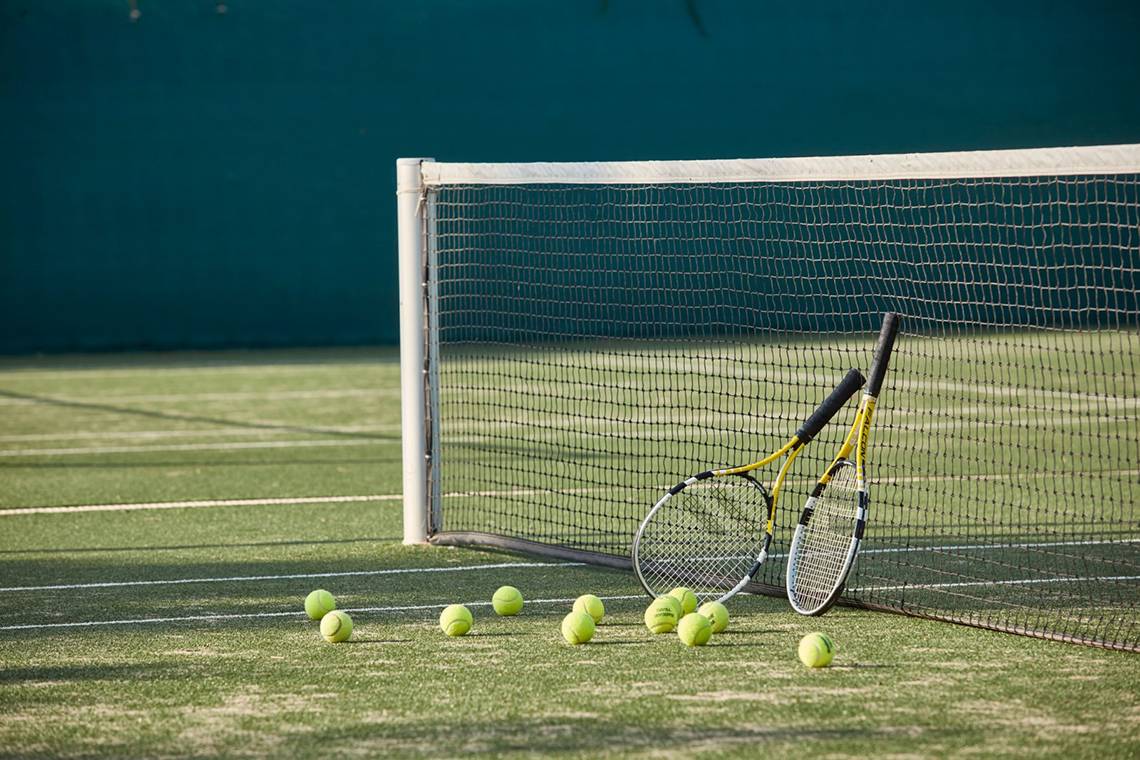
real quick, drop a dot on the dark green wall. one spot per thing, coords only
(199, 180)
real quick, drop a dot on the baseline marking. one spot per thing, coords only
(1018, 582)
(232, 446)
(198, 504)
(965, 547)
(345, 574)
(191, 433)
(298, 615)
(231, 396)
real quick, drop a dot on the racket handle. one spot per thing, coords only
(883, 353)
(852, 382)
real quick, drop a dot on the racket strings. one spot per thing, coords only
(820, 557)
(705, 537)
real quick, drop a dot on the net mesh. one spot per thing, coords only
(598, 343)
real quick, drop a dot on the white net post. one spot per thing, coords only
(410, 210)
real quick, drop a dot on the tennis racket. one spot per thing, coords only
(711, 532)
(831, 525)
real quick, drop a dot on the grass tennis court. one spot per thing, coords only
(174, 628)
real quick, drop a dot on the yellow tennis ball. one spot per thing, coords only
(816, 650)
(686, 597)
(319, 603)
(674, 604)
(577, 627)
(507, 601)
(717, 614)
(455, 620)
(336, 627)
(694, 629)
(591, 605)
(660, 616)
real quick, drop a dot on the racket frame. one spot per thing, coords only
(857, 440)
(851, 383)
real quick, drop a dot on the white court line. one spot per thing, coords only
(557, 436)
(646, 381)
(211, 433)
(985, 547)
(299, 615)
(464, 568)
(371, 364)
(232, 446)
(230, 396)
(199, 504)
(204, 503)
(958, 547)
(506, 493)
(566, 423)
(547, 386)
(1020, 582)
(1031, 475)
(245, 578)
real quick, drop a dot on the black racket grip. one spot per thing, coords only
(852, 382)
(883, 353)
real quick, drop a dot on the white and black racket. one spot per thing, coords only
(711, 532)
(834, 517)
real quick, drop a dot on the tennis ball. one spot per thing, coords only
(660, 616)
(717, 615)
(591, 605)
(577, 627)
(694, 629)
(816, 650)
(319, 603)
(674, 604)
(686, 597)
(336, 627)
(455, 620)
(507, 601)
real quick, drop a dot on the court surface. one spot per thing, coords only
(162, 518)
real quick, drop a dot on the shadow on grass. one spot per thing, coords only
(209, 589)
(373, 642)
(130, 411)
(559, 735)
(104, 672)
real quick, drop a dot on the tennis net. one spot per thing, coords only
(579, 337)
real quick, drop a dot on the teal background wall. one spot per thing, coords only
(197, 179)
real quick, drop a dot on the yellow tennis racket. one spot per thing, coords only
(712, 532)
(831, 525)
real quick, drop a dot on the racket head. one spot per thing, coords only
(826, 540)
(707, 534)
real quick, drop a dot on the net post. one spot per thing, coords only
(413, 339)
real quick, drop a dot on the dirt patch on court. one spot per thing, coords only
(728, 696)
(1015, 715)
(198, 652)
(208, 729)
